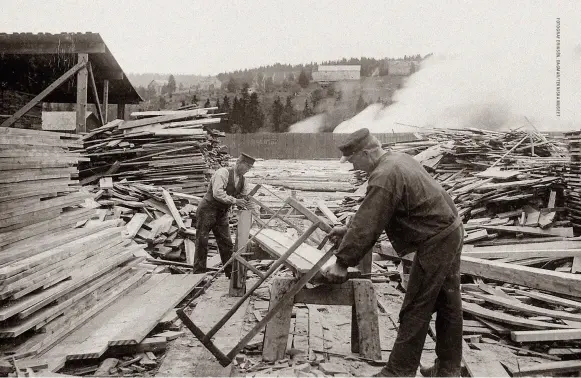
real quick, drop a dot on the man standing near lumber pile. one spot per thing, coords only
(227, 187)
(417, 214)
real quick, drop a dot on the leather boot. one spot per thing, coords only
(439, 369)
(430, 371)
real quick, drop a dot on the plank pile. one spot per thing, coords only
(36, 173)
(152, 216)
(310, 180)
(161, 221)
(573, 178)
(532, 311)
(59, 264)
(503, 183)
(170, 149)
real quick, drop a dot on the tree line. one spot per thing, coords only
(368, 67)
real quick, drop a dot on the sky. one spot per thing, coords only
(209, 37)
(494, 62)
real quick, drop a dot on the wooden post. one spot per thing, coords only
(121, 110)
(365, 304)
(82, 83)
(95, 93)
(105, 101)
(364, 267)
(238, 277)
(277, 329)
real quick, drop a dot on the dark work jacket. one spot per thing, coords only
(231, 190)
(405, 201)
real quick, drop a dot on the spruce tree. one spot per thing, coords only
(276, 114)
(307, 112)
(288, 115)
(303, 79)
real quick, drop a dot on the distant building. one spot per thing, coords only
(208, 83)
(331, 74)
(402, 67)
(157, 85)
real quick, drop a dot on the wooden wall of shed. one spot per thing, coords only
(11, 101)
(296, 145)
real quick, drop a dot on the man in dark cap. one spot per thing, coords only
(418, 215)
(227, 187)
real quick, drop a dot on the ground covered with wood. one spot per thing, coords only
(91, 277)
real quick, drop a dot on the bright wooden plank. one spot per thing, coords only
(545, 335)
(548, 368)
(542, 279)
(525, 308)
(501, 317)
(554, 231)
(130, 319)
(172, 208)
(135, 224)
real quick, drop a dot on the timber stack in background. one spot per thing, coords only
(509, 183)
(166, 148)
(573, 178)
(60, 263)
(146, 169)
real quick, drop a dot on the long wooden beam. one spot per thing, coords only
(32, 103)
(545, 335)
(57, 47)
(108, 74)
(542, 279)
(81, 107)
(95, 93)
(105, 101)
(524, 254)
(548, 369)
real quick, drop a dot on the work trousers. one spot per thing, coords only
(211, 218)
(433, 286)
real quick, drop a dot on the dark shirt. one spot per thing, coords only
(402, 199)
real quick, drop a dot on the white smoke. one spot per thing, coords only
(312, 124)
(494, 87)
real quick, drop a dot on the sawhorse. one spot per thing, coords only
(206, 338)
(357, 293)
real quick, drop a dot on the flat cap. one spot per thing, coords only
(355, 142)
(247, 159)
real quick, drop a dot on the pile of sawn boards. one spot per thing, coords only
(62, 263)
(168, 148)
(502, 182)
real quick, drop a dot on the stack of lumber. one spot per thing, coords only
(503, 183)
(54, 283)
(126, 322)
(531, 310)
(169, 148)
(573, 178)
(37, 171)
(309, 180)
(61, 262)
(152, 216)
(161, 221)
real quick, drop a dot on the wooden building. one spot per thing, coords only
(333, 73)
(64, 68)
